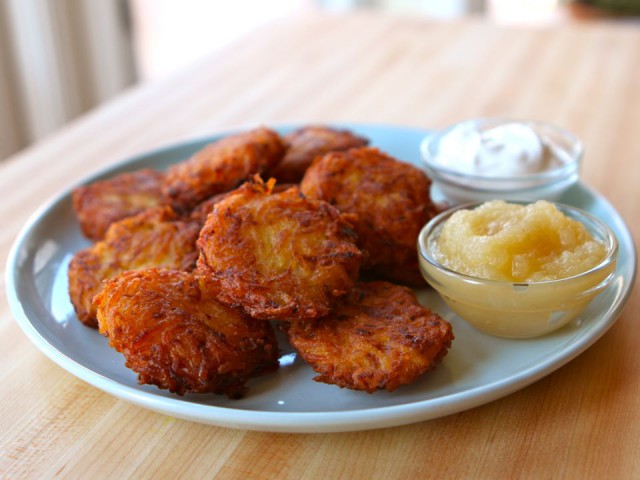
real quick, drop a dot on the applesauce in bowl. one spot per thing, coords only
(517, 269)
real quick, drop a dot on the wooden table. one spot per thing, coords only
(583, 421)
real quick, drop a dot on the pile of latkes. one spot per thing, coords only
(191, 268)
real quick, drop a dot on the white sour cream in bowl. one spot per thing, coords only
(485, 159)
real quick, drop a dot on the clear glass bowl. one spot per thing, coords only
(459, 186)
(518, 310)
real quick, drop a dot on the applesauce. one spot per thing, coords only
(517, 243)
(517, 270)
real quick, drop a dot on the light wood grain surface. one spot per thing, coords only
(583, 421)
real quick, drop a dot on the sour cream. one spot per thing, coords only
(492, 158)
(507, 150)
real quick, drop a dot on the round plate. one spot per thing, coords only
(478, 369)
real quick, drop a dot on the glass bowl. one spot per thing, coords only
(447, 156)
(518, 310)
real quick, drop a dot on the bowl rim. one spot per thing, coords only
(611, 243)
(552, 175)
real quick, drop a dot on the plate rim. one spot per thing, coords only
(311, 421)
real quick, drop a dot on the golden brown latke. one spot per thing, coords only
(222, 166)
(101, 203)
(391, 200)
(307, 143)
(154, 238)
(379, 338)
(278, 255)
(202, 210)
(178, 338)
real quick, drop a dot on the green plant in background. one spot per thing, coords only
(623, 7)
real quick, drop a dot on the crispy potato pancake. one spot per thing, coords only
(306, 143)
(379, 338)
(222, 166)
(101, 203)
(178, 338)
(190, 267)
(154, 238)
(391, 200)
(278, 255)
(202, 210)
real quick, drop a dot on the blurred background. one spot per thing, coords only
(61, 58)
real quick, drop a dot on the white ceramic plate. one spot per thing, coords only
(478, 369)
